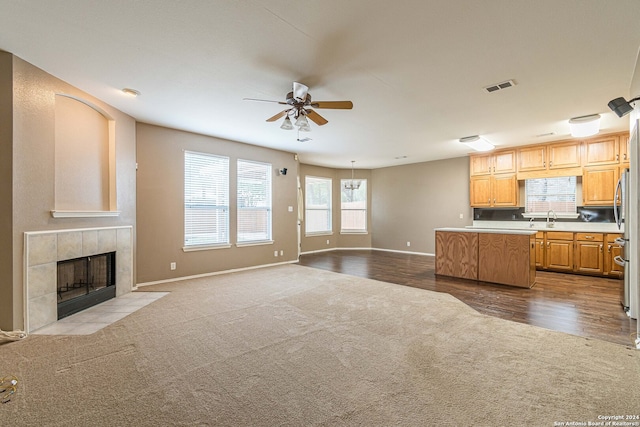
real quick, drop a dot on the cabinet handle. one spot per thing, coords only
(588, 237)
(609, 249)
(617, 156)
(600, 248)
(548, 245)
(625, 156)
(550, 163)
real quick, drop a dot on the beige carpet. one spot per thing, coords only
(296, 346)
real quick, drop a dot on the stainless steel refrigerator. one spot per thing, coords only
(621, 214)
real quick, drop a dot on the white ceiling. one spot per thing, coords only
(414, 69)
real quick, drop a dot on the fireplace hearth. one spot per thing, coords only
(84, 282)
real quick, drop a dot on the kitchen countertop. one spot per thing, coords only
(487, 230)
(574, 227)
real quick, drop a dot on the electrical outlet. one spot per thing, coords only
(327, 241)
(408, 244)
(281, 253)
(461, 216)
(275, 253)
(173, 266)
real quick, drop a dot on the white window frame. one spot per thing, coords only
(345, 209)
(558, 213)
(246, 201)
(207, 192)
(310, 209)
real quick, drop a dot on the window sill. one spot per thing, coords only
(205, 247)
(256, 243)
(543, 215)
(354, 232)
(321, 233)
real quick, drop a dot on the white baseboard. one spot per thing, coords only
(367, 249)
(214, 273)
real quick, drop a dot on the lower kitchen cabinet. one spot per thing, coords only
(589, 253)
(540, 250)
(559, 251)
(612, 250)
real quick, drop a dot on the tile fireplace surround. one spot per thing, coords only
(43, 250)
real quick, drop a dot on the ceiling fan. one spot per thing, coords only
(300, 108)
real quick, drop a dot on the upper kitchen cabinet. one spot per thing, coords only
(557, 159)
(624, 150)
(604, 150)
(495, 163)
(500, 190)
(599, 185)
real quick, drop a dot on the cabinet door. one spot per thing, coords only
(480, 164)
(504, 190)
(612, 250)
(480, 191)
(559, 255)
(601, 151)
(540, 253)
(532, 159)
(566, 155)
(624, 150)
(589, 257)
(504, 162)
(599, 185)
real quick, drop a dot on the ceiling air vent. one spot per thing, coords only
(499, 86)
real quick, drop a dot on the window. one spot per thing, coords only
(206, 199)
(317, 205)
(353, 206)
(544, 194)
(254, 201)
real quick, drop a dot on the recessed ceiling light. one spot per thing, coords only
(131, 92)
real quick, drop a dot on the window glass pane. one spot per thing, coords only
(353, 206)
(254, 201)
(557, 194)
(317, 205)
(206, 199)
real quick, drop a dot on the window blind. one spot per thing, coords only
(544, 194)
(353, 207)
(206, 199)
(317, 205)
(254, 201)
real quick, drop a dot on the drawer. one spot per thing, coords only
(612, 237)
(560, 235)
(540, 235)
(589, 237)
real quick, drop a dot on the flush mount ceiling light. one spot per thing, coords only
(478, 143)
(585, 125)
(620, 106)
(353, 184)
(131, 92)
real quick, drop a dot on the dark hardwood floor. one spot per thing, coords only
(578, 305)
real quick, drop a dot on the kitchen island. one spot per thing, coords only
(506, 257)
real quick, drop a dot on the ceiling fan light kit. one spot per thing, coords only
(300, 108)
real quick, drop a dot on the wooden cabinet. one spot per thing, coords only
(507, 259)
(540, 250)
(602, 151)
(559, 251)
(493, 191)
(612, 249)
(563, 158)
(494, 163)
(457, 254)
(599, 185)
(624, 150)
(589, 253)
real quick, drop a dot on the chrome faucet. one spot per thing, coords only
(554, 218)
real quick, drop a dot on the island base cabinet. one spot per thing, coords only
(457, 254)
(508, 259)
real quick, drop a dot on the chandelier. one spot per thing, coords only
(352, 184)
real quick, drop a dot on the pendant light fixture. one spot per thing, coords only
(353, 184)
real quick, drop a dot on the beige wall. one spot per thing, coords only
(33, 171)
(410, 201)
(336, 239)
(6, 181)
(161, 206)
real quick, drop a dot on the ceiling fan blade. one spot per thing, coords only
(277, 116)
(317, 118)
(264, 100)
(300, 91)
(342, 105)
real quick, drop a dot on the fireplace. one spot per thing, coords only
(84, 282)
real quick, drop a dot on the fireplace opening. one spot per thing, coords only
(85, 282)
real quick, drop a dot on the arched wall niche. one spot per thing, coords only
(84, 159)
